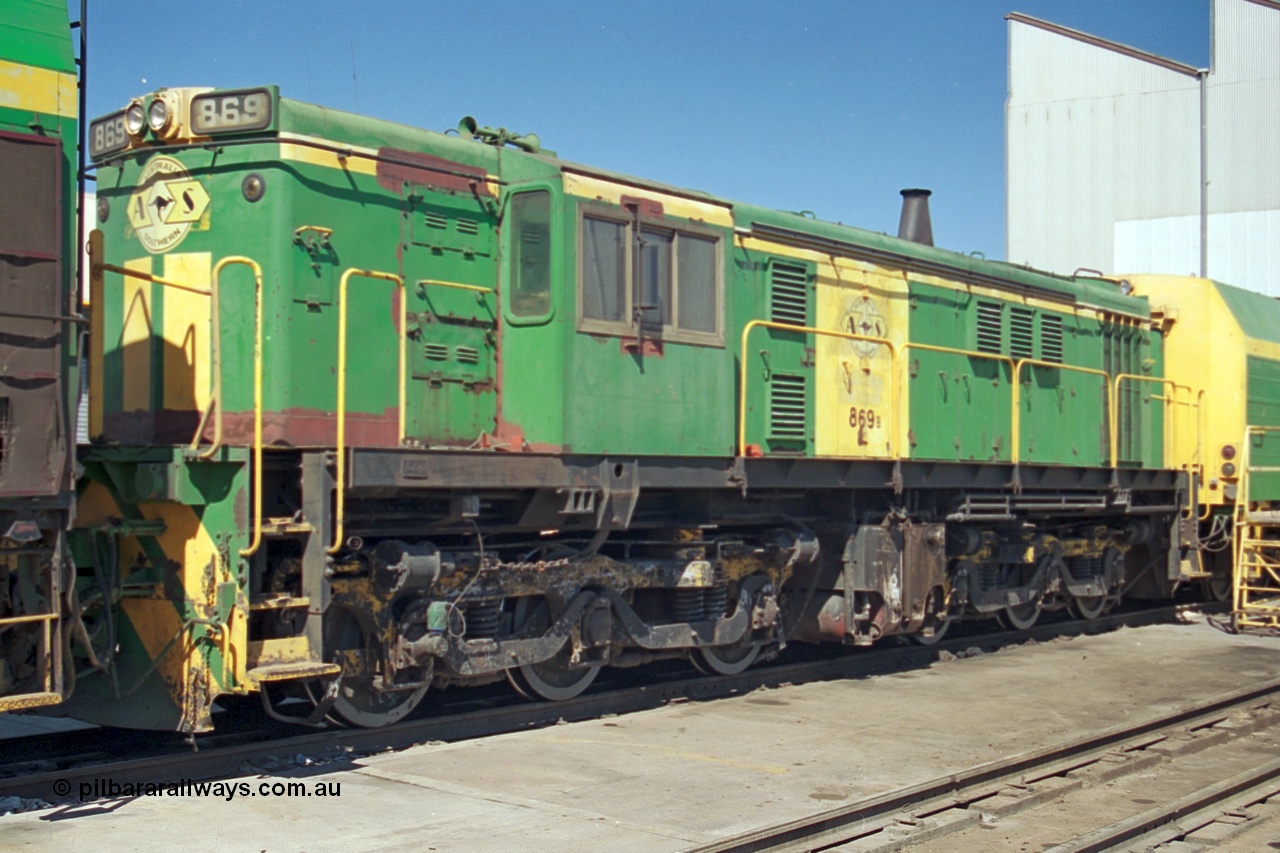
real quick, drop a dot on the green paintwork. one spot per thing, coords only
(1257, 313)
(1263, 409)
(37, 32)
(961, 406)
(133, 694)
(1259, 319)
(537, 381)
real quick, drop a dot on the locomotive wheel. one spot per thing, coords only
(358, 703)
(1216, 588)
(724, 660)
(937, 619)
(554, 679)
(1089, 606)
(940, 629)
(1022, 616)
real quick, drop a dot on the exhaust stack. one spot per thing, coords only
(914, 224)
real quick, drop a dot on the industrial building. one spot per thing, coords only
(1119, 160)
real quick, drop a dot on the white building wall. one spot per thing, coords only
(1243, 145)
(1104, 143)
(1092, 136)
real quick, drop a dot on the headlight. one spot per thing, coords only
(135, 119)
(158, 115)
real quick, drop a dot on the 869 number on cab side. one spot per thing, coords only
(860, 418)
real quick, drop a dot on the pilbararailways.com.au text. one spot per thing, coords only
(107, 788)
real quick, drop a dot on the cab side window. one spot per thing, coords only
(530, 217)
(670, 281)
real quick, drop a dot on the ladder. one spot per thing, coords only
(1256, 567)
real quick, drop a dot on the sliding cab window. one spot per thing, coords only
(530, 218)
(669, 281)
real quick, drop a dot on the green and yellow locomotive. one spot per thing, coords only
(375, 409)
(39, 323)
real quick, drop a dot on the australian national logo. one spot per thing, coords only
(862, 317)
(165, 204)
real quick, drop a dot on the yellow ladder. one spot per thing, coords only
(1256, 568)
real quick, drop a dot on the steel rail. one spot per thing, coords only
(213, 761)
(844, 824)
(1252, 785)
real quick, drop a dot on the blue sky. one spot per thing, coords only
(812, 105)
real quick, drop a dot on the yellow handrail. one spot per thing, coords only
(340, 474)
(30, 617)
(1114, 419)
(1017, 396)
(433, 282)
(215, 392)
(146, 276)
(321, 231)
(810, 330)
(990, 356)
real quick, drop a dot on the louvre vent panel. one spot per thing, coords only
(468, 226)
(786, 406)
(789, 294)
(435, 352)
(1051, 338)
(436, 220)
(467, 355)
(989, 323)
(1022, 332)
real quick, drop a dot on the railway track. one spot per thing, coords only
(34, 774)
(1197, 769)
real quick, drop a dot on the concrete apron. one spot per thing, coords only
(690, 772)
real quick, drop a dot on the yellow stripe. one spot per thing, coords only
(607, 191)
(24, 87)
(361, 159)
(756, 244)
(186, 332)
(1263, 349)
(135, 338)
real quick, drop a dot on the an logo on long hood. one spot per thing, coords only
(165, 204)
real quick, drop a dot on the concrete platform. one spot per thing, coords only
(26, 725)
(689, 773)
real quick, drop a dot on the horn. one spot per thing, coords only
(467, 127)
(529, 142)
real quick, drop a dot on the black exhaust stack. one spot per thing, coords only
(914, 224)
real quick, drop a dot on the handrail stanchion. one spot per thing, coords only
(340, 461)
(810, 330)
(1055, 365)
(215, 397)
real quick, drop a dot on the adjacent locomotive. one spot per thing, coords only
(376, 409)
(39, 323)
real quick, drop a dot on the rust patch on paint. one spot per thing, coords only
(646, 347)
(429, 171)
(646, 206)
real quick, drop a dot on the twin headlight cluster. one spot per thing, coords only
(157, 115)
(173, 116)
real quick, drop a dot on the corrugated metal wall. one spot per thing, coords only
(1243, 149)
(1103, 149)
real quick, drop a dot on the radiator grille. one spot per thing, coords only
(1051, 338)
(786, 407)
(789, 294)
(1022, 332)
(989, 322)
